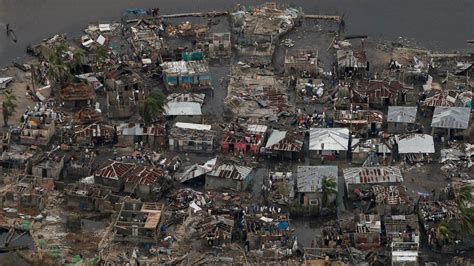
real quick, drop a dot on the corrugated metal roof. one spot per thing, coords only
(415, 143)
(372, 175)
(114, 170)
(142, 175)
(275, 138)
(329, 139)
(309, 177)
(451, 117)
(401, 114)
(257, 128)
(193, 126)
(231, 172)
(183, 108)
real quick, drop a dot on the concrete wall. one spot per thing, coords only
(113, 184)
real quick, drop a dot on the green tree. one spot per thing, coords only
(443, 233)
(328, 188)
(58, 69)
(77, 59)
(8, 107)
(466, 221)
(153, 107)
(100, 54)
(464, 196)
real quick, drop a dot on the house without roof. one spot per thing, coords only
(399, 118)
(330, 143)
(228, 176)
(244, 139)
(450, 119)
(143, 181)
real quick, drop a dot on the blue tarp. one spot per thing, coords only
(283, 225)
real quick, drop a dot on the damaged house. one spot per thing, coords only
(145, 41)
(188, 112)
(243, 139)
(255, 94)
(367, 232)
(451, 119)
(96, 133)
(186, 74)
(401, 119)
(74, 96)
(79, 165)
(228, 176)
(257, 32)
(368, 151)
(153, 135)
(90, 197)
(379, 92)
(215, 45)
(143, 181)
(279, 188)
(27, 193)
(302, 62)
(285, 144)
(138, 222)
(124, 92)
(415, 147)
(352, 61)
(188, 137)
(362, 178)
(361, 122)
(39, 128)
(403, 235)
(49, 166)
(330, 143)
(112, 174)
(310, 188)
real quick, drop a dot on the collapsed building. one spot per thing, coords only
(125, 93)
(368, 151)
(254, 94)
(379, 92)
(302, 62)
(256, 33)
(138, 222)
(359, 121)
(95, 133)
(91, 197)
(74, 96)
(27, 192)
(215, 45)
(357, 178)
(352, 61)
(243, 139)
(49, 166)
(279, 187)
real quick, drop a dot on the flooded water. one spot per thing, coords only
(436, 24)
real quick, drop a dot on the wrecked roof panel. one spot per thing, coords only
(309, 178)
(372, 175)
(402, 114)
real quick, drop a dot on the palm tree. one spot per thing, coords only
(328, 187)
(77, 58)
(100, 54)
(8, 107)
(58, 70)
(464, 196)
(153, 107)
(443, 232)
(466, 221)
